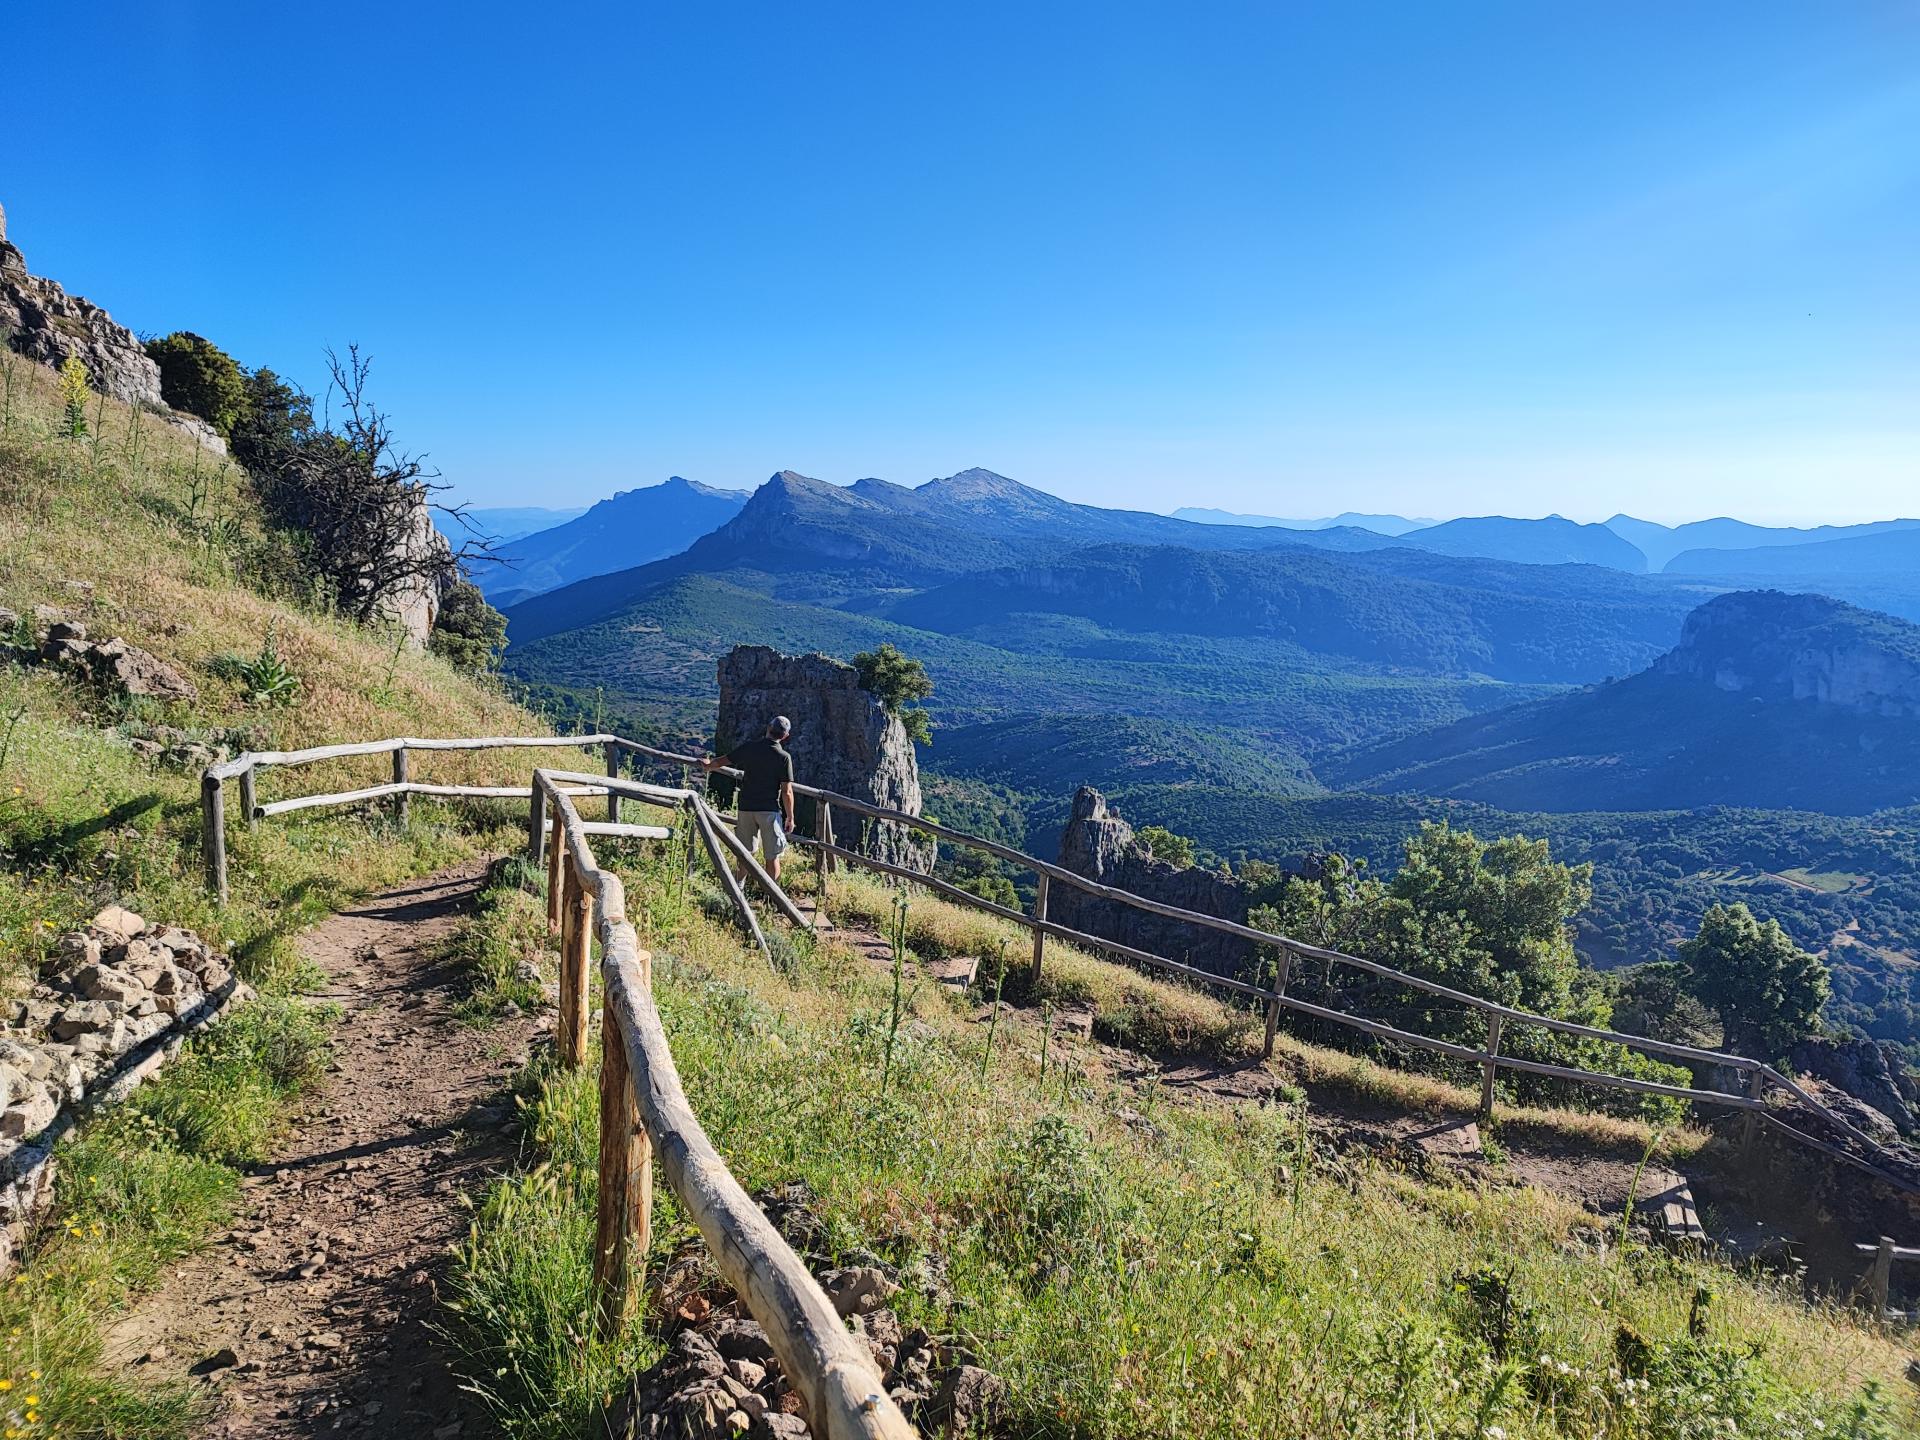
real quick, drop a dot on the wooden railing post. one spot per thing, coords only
(1750, 1122)
(1880, 1279)
(623, 1223)
(537, 826)
(248, 800)
(400, 778)
(613, 773)
(1488, 1069)
(1039, 936)
(1273, 1005)
(556, 863)
(823, 832)
(576, 947)
(213, 836)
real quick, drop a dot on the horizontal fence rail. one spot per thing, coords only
(721, 845)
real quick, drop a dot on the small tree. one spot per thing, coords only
(1767, 991)
(197, 376)
(896, 681)
(363, 506)
(74, 395)
(275, 421)
(468, 631)
(1163, 845)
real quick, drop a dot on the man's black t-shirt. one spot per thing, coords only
(767, 767)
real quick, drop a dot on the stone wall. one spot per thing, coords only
(1100, 845)
(117, 999)
(843, 740)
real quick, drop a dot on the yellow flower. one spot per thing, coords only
(33, 1374)
(31, 1400)
(7, 1384)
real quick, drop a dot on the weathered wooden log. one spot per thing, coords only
(613, 774)
(576, 952)
(728, 880)
(767, 884)
(1039, 934)
(536, 824)
(830, 1367)
(556, 863)
(623, 1220)
(248, 800)
(213, 835)
(382, 792)
(228, 769)
(1880, 1278)
(401, 787)
(1489, 1068)
(1273, 1006)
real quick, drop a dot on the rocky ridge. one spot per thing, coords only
(41, 321)
(843, 740)
(117, 997)
(1097, 843)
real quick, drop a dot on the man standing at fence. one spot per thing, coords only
(765, 796)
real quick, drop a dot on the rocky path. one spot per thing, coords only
(314, 1315)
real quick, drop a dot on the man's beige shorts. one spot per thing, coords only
(766, 824)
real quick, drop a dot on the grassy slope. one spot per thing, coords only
(114, 534)
(1132, 1265)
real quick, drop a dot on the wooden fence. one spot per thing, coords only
(719, 840)
(644, 1113)
(1759, 1076)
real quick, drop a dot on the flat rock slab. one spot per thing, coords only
(957, 971)
(1454, 1139)
(313, 1314)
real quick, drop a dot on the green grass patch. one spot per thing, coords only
(1133, 1265)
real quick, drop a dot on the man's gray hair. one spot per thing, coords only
(779, 725)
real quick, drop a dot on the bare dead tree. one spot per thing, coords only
(363, 506)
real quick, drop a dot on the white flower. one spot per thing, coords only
(1494, 1432)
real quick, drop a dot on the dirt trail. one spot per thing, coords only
(314, 1315)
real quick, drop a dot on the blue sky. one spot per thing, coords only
(1437, 258)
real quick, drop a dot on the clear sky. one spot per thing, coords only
(1441, 258)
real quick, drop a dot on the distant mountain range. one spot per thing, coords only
(513, 521)
(1379, 524)
(1769, 700)
(631, 528)
(1660, 544)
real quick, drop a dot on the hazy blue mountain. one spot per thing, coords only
(836, 543)
(1378, 524)
(1769, 700)
(631, 528)
(1430, 614)
(1883, 552)
(1551, 541)
(1661, 543)
(510, 522)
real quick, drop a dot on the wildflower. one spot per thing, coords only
(6, 1384)
(1494, 1432)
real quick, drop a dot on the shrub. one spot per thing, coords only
(1165, 846)
(896, 681)
(468, 631)
(197, 376)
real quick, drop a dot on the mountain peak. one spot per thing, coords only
(981, 484)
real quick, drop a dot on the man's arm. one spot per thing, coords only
(711, 763)
(786, 802)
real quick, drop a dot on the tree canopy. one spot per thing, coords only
(197, 376)
(1767, 990)
(896, 681)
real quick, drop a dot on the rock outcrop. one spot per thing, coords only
(1775, 646)
(117, 998)
(41, 321)
(843, 740)
(1100, 845)
(112, 663)
(1866, 1071)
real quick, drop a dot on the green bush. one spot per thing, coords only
(197, 376)
(468, 631)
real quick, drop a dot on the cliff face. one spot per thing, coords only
(1100, 845)
(842, 741)
(1775, 646)
(40, 321)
